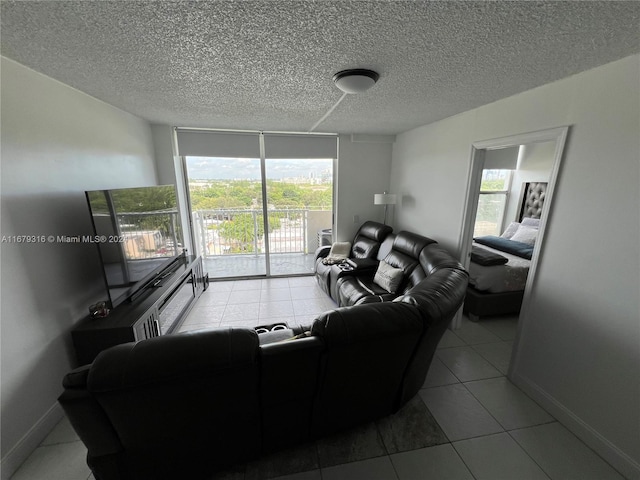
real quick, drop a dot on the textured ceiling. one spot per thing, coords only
(268, 65)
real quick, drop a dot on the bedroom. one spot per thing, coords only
(513, 192)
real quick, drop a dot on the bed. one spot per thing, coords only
(500, 265)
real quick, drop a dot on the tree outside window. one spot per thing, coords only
(492, 202)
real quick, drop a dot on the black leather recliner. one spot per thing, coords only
(186, 405)
(364, 249)
(359, 287)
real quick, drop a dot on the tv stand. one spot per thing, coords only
(158, 311)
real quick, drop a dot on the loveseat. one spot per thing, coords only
(185, 405)
(401, 261)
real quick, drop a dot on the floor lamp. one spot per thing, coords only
(385, 199)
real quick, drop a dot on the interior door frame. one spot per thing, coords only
(478, 150)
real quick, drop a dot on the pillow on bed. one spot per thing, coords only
(511, 230)
(388, 277)
(526, 235)
(531, 222)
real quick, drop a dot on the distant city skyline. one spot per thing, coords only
(216, 168)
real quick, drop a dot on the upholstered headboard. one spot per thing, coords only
(532, 200)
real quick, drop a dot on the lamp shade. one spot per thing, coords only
(384, 199)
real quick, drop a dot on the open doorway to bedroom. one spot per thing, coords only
(509, 199)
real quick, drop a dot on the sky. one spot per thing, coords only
(210, 168)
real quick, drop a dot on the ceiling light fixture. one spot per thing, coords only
(355, 80)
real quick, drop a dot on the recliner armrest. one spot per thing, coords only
(77, 378)
(363, 265)
(322, 252)
(87, 416)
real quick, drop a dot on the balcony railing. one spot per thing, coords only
(241, 231)
(147, 235)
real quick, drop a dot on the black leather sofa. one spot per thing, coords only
(360, 285)
(354, 281)
(365, 249)
(185, 405)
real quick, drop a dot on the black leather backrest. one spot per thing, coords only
(410, 244)
(364, 247)
(154, 390)
(404, 254)
(167, 357)
(367, 351)
(434, 257)
(438, 297)
(367, 241)
(374, 230)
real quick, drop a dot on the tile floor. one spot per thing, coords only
(478, 424)
(220, 266)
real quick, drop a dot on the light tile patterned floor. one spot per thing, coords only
(493, 430)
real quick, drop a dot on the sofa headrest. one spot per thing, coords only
(410, 244)
(434, 257)
(364, 247)
(360, 323)
(200, 352)
(440, 295)
(374, 230)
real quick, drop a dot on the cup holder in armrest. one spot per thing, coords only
(271, 328)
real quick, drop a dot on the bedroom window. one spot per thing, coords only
(492, 202)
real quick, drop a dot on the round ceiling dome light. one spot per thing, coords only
(355, 80)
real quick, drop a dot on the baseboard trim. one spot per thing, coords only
(30, 441)
(618, 459)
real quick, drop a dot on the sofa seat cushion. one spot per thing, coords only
(351, 290)
(360, 267)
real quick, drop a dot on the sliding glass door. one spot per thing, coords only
(227, 214)
(263, 211)
(299, 210)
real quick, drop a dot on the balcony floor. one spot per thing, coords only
(282, 264)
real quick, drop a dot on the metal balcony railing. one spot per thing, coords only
(241, 231)
(144, 235)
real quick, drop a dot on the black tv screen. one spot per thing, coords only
(138, 233)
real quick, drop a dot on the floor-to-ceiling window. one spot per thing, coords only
(261, 203)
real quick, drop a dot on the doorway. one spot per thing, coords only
(484, 154)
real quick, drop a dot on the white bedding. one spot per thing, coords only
(509, 277)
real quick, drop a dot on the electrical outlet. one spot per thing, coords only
(356, 219)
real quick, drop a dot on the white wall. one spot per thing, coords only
(429, 173)
(56, 142)
(579, 348)
(363, 170)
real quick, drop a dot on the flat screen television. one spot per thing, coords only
(139, 237)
